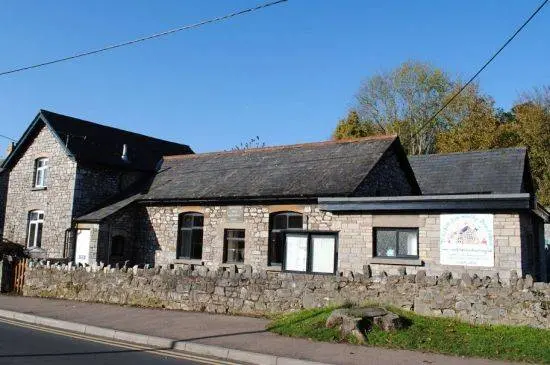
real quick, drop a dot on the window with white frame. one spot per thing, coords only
(36, 222)
(40, 172)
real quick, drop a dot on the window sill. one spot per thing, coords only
(395, 261)
(39, 188)
(229, 264)
(189, 261)
(274, 268)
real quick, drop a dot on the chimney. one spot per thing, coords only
(125, 153)
(10, 148)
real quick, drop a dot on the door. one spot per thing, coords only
(82, 251)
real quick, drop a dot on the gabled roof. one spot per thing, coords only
(311, 170)
(333, 168)
(94, 143)
(501, 171)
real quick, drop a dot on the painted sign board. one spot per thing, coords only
(235, 214)
(467, 240)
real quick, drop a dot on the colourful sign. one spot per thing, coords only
(467, 240)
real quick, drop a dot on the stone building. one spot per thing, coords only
(64, 167)
(326, 208)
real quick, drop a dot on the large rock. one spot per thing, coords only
(357, 321)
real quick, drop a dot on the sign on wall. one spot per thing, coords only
(235, 214)
(466, 240)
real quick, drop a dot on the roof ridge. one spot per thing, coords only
(288, 146)
(493, 150)
(111, 127)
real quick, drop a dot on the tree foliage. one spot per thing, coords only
(403, 100)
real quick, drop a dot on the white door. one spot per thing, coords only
(82, 251)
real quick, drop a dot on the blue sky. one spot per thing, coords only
(286, 73)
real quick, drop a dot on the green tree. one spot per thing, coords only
(403, 100)
(352, 127)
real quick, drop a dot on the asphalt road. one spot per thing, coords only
(29, 345)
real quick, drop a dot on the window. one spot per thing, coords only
(279, 222)
(117, 246)
(36, 222)
(190, 236)
(233, 251)
(396, 242)
(41, 173)
(310, 252)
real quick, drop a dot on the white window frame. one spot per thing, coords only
(41, 172)
(36, 220)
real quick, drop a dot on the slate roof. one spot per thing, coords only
(494, 171)
(334, 168)
(94, 143)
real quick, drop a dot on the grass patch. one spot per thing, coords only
(430, 334)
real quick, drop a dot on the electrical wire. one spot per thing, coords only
(143, 39)
(424, 125)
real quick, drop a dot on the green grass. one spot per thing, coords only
(429, 334)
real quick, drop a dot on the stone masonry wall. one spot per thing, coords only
(473, 299)
(94, 185)
(56, 200)
(158, 231)
(4, 177)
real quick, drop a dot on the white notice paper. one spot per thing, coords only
(296, 252)
(323, 253)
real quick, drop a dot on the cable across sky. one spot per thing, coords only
(510, 39)
(143, 39)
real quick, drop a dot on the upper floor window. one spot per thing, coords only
(396, 242)
(190, 236)
(36, 222)
(278, 223)
(40, 172)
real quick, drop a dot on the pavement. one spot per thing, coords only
(229, 337)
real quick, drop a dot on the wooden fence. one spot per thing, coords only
(18, 275)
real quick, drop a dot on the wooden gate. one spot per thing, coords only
(18, 275)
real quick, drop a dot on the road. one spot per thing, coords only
(29, 345)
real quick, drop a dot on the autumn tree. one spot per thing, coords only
(353, 127)
(403, 101)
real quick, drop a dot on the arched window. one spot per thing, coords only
(117, 246)
(40, 173)
(34, 234)
(278, 224)
(190, 236)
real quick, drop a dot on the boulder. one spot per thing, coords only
(357, 321)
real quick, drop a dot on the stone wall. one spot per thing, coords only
(157, 237)
(94, 185)
(55, 200)
(4, 177)
(226, 290)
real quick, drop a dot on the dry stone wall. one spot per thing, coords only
(474, 299)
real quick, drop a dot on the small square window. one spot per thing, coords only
(234, 246)
(396, 242)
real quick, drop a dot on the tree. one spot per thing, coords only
(403, 101)
(532, 115)
(352, 127)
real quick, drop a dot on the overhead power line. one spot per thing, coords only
(510, 39)
(6, 137)
(146, 38)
